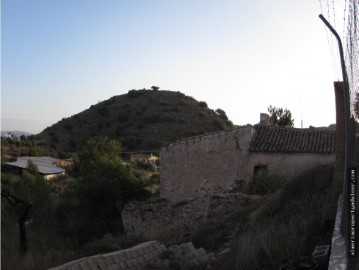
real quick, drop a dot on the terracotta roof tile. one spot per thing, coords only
(293, 140)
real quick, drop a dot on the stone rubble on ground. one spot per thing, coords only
(148, 255)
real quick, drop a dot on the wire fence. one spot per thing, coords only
(351, 164)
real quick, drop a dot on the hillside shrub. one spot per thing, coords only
(134, 93)
(68, 127)
(289, 224)
(152, 118)
(229, 123)
(203, 104)
(72, 144)
(102, 111)
(222, 114)
(175, 109)
(110, 101)
(219, 124)
(123, 117)
(180, 94)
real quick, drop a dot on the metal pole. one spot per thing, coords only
(346, 131)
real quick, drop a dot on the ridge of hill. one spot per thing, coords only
(142, 120)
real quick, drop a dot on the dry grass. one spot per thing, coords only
(295, 220)
(278, 228)
(52, 239)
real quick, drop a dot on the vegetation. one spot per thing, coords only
(22, 146)
(22, 198)
(139, 120)
(67, 220)
(280, 117)
(32, 167)
(81, 217)
(101, 158)
(276, 229)
(265, 184)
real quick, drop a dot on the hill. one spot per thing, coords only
(142, 120)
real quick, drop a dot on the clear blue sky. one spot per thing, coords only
(59, 57)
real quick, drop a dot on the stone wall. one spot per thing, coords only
(286, 164)
(147, 255)
(203, 165)
(137, 257)
(164, 219)
(222, 163)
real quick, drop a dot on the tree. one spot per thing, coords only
(280, 117)
(203, 104)
(97, 155)
(32, 167)
(155, 88)
(106, 183)
(25, 195)
(26, 207)
(222, 114)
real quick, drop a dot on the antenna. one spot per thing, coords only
(301, 113)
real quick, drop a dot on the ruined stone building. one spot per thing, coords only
(226, 161)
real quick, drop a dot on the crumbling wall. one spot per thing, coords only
(209, 164)
(163, 219)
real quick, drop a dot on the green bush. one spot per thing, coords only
(123, 117)
(102, 110)
(203, 104)
(101, 158)
(68, 126)
(222, 114)
(135, 93)
(265, 184)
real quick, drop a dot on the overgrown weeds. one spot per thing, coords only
(289, 225)
(53, 239)
(265, 184)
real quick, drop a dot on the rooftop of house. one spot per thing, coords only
(274, 139)
(46, 165)
(293, 140)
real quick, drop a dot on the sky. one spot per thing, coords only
(59, 57)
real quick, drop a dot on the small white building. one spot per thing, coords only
(48, 166)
